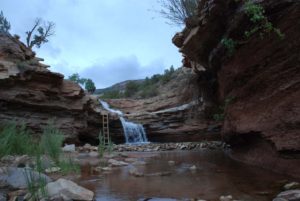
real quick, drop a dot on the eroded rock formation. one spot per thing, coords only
(169, 118)
(32, 94)
(262, 77)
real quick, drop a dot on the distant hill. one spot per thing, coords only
(149, 87)
(120, 87)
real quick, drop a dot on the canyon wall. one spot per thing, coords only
(33, 95)
(258, 77)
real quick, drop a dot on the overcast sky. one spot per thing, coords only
(106, 40)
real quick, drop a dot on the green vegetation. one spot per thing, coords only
(262, 25)
(89, 85)
(102, 147)
(51, 142)
(220, 114)
(142, 89)
(15, 140)
(4, 24)
(177, 11)
(112, 94)
(131, 89)
(68, 166)
(39, 33)
(35, 186)
(230, 45)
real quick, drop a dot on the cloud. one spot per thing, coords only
(121, 69)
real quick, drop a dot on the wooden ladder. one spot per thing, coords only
(105, 132)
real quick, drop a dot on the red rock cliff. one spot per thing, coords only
(31, 94)
(262, 123)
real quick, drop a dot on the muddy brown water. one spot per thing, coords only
(216, 175)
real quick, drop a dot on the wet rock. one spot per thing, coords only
(193, 168)
(16, 177)
(289, 195)
(139, 163)
(69, 148)
(110, 155)
(226, 198)
(94, 154)
(106, 168)
(171, 162)
(135, 172)
(125, 155)
(87, 147)
(130, 160)
(116, 163)
(292, 185)
(68, 190)
(3, 196)
(166, 173)
(52, 170)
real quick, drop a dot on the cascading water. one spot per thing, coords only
(134, 133)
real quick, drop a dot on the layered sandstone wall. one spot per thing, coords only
(262, 78)
(32, 94)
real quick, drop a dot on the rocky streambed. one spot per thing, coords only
(171, 171)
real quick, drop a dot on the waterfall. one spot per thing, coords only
(134, 133)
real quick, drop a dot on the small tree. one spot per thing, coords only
(89, 86)
(131, 88)
(76, 78)
(4, 24)
(177, 11)
(42, 31)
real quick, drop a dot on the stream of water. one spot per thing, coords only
(216, 175)
(134, 133)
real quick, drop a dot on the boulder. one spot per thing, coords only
(18, 178)
(69, 148)
(68, 190)
(289, 195)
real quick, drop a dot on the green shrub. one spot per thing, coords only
(35, 186)
(220, 114)
(230, 45)
(101, 145)
(51, 142)
(16, 140)
(68, 166)
(112, 95)
(262, 25)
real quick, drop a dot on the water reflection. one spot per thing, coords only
(216, 175)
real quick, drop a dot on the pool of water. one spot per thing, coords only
(216, 175)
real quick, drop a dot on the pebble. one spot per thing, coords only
(171, 162)
(226, 198)
(52, 170)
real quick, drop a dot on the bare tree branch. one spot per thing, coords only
(29, 33)
(43, 32)
(177, 11)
